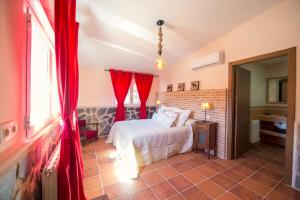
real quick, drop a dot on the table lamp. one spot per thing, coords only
(157, 104)
(206, 106)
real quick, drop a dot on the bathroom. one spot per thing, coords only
(268, 101)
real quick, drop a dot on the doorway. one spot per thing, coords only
(239, 98)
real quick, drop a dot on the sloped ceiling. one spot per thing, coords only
(123, 33)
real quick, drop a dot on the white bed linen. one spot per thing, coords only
(141, 142)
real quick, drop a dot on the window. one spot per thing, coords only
(132, 97)
(127, 98)
(135, 95)
(41, 88)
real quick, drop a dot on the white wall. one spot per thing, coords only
(276, 29)
(12, 66)
(277, 70)
(259, 74)
(257, 83)
(95, 88)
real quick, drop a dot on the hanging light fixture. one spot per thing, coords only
(160, 62)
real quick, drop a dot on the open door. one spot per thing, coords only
(234, 111)
(242, 111)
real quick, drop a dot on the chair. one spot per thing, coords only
(87, 134)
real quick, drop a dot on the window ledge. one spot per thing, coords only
(9, 157)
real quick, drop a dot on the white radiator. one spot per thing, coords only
(254, 131)
(49, 176)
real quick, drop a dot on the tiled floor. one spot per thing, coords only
(256, 175)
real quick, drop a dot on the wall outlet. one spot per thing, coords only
(7, 131)
(208, 117)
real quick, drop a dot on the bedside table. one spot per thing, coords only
(206, 136)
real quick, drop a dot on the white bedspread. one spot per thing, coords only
(141, 142)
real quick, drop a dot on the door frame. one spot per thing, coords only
(291, 54)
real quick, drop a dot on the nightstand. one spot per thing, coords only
(206, 136)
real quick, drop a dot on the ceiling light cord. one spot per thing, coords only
(160, 35)
(160, 63)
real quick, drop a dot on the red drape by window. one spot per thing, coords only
(121, 81)
(143, 84)
(76, 90)
(70, 171)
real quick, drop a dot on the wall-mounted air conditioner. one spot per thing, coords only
(208, 60)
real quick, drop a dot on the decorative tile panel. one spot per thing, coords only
(105, 115)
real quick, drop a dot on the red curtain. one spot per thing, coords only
(70, 171)
(76, 90)
(121, 82)
(143, 84)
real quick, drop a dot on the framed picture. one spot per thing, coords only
(169, 88)
(181, 87)
(194, 85)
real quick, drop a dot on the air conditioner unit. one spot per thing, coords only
(208, 60)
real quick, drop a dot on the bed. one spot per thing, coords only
(141, 142)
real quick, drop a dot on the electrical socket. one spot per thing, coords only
(208, 117)
(7, 131)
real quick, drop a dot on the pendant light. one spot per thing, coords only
(160, 62)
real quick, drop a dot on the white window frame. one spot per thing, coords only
(130, 92)
(34, 11)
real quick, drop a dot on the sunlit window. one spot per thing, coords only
(132, 97)
(135, 95)
(42, 94)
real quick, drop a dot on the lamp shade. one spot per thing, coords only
(157, 102)
(160, 63)
(207, 106)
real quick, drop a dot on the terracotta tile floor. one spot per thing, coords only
(256, 175)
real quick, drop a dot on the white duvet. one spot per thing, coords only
(141, 142)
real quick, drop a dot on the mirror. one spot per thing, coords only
(277, 90)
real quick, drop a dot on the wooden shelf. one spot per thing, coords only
(272, 137)
(272, 133)
(272, 118)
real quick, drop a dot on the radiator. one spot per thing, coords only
(49, 176)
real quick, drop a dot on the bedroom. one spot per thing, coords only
(124, 35)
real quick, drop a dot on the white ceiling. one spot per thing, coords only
(123, 33)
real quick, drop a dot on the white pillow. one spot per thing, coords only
(167, 117)
(168, 107)
(182, 117)
(190, 122)
(155, 117)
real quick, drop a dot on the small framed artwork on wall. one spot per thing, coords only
(169, 88)
(181, 87)
(195, 85)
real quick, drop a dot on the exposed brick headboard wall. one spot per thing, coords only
(192, 100)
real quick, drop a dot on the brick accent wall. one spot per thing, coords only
(193, 99)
